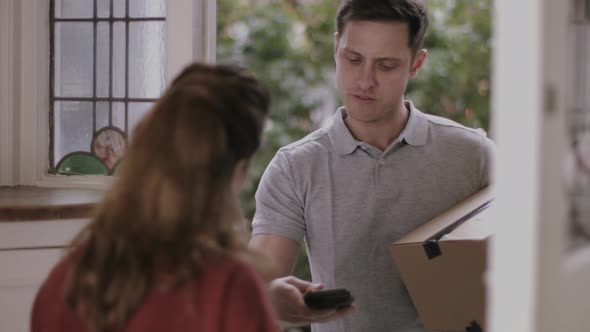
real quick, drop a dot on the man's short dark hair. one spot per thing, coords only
(413, 12)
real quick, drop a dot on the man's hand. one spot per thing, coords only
(287, 296)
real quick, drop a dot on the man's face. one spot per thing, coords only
(373, 65)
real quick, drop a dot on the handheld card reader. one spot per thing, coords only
(336, 298)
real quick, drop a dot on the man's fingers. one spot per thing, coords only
(315, 287)
(287, 296)
(303, 285)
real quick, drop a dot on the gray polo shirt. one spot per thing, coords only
(349, 201)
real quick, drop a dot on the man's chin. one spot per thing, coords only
(363, 115)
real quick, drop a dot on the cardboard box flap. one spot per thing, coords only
(479, 227)
(450, 219)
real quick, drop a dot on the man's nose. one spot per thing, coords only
(367, 78)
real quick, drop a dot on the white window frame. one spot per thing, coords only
(530, 102)
(24, 88)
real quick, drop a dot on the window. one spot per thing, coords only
(107, 69)
(28, 106)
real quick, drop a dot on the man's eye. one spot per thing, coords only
(386, 67)
(353, 60)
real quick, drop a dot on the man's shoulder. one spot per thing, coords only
(314, 142)
(449, 126)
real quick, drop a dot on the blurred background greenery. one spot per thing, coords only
(289, 45)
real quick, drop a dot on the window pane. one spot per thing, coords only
(136, 112)
(146, 59)
(104, 8)
(119, 115)
(119, 60)
(119, 8)
(81, 163)
(74, 8)
(147, 8)
(73, 59)
(102, 114)
(73, 127)
(109, 146)
(102, 59)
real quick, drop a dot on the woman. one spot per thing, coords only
(165, 251)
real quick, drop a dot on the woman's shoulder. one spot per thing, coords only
(241, 295)
(57, 275)
(229, 268)
(49, 304)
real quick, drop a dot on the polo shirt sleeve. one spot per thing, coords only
(279, 208)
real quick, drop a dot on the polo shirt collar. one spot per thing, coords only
(340, 135)
(415, 132)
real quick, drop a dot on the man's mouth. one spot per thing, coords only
(363, 98)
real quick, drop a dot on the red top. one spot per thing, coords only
(228, 296)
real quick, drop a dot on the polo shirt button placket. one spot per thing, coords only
(378, 167)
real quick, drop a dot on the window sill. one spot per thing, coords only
(42, 204)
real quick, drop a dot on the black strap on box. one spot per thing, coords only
(431, 246)
(474, 327)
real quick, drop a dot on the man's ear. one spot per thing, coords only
(419, 59)
(336, 38)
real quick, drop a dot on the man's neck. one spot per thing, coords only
(380, 134)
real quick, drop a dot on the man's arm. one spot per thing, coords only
(280, 251)
(277, 225)
(286, 291)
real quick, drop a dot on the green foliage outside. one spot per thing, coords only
(455, 79)
(289, 45)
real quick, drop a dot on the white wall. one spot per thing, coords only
(24, 264)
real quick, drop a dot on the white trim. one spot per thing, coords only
(76, 181)
(516, 105)
(210, 31)
(33, 138)
(529, 61)
(179, 17)
(553, 144)
(190, 16)
(7, 65)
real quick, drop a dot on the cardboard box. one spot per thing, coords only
(443, 262)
